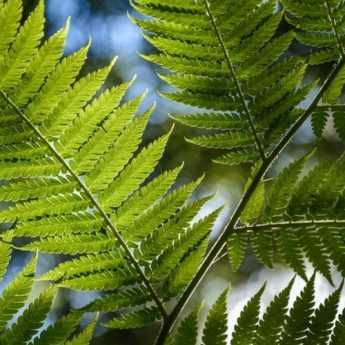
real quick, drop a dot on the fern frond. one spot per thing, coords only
(220, 55)
(216, 323)
(75, 174)
(85, 337)
(278, 325)
(135, 319)
(15, 294)
(21, 320)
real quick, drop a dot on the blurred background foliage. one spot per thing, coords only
(112, 33)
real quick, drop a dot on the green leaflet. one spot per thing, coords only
(59, 332)
(10, 15)
(15, 294)
(85, 336)
(26, 326)
(136, 319)
(303, 323)
(15, 61)
(5, 252)
(216, 323)
(245, 328)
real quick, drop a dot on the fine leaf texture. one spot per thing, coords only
(303, 323)
(226, 59)
(78, 181)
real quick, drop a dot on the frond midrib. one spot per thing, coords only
(237, 82)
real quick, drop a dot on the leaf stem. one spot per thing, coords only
(93, 200)
(219, 244)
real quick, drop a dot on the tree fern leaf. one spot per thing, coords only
(221, 121)
(237, 245)
(322, 322)
(118, 156)
(99, 281)
(150, 220)
(257, 64)
(30, 321)
(281, 190)
(339, 330)
(339, 123)
(263, 247)
(82, 136)
(158, 240)
(119, 299)
(145, 197)
(333, 241)
(10, 15)
(191, 239)
(135, 173)
(271, 325)
(136, 319)
(59, 332)
(211, 102)
(22, 51)
(216, 323)
(35, 188)
(15, 294)
(84, 265)
(182, 275)
(187, 331)
(300, 316)
(38, 168)
(315, 251)
(262, 35)
(323, 56)
(290, 248)
(82, 223)
(255, 206)
(56, 87)
(59, 205)
(172, 14)
(180, 64)
(75, 99)
(244, 155)
(84, 338)
(72, 244)
(5, 253)
(42, 65)
(25, 151)
(200, 84)
(230, 140)
(245, 329)
(319, 121)
(334, 91)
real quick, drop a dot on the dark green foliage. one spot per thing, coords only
(223, 55)
(24, 327)
(304, 323)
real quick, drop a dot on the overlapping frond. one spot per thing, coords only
(223, 56)
(78, 181)
(303, 323)
(22, 319)
(320, 26)
(303, 216)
